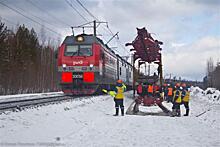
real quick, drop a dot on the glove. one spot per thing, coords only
(104, 90)
(112, 93)
(124, 86)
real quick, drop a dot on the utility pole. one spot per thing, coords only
(161, 72)
(145, 66)
(92, 24)
(133, 64)
(72, 30)
(94, 27)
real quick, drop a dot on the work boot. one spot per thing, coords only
(178, 113)
(116, 111)
(173, 113)
(187, 112)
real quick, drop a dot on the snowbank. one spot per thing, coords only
(210, 94)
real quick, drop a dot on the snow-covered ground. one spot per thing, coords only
(89, 122)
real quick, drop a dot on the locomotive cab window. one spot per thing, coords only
(71, 50)
(85, 50)
(78, 50)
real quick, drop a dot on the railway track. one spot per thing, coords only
(19, 104)
(134, 110)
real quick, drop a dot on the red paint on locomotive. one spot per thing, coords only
(88, 77)
(67, 77)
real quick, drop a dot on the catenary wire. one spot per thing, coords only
(35, 5)
(15, 10)
(108, 29)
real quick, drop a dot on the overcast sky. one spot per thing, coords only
(190, 29)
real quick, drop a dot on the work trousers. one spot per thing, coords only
(169, 98)
(176, 109)
(186, 105)
(119, 103)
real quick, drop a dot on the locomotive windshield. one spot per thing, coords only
(78, 50)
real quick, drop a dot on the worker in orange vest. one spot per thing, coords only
(169, 93)
(157, 91)
(150, 90)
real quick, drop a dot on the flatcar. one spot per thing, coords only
(87, 65)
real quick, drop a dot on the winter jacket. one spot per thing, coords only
(119, 90)
(186, 97)
(177, 96)
(139, 89)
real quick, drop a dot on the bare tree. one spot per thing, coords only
(210, 66)
(43, 37)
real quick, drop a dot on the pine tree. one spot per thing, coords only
(25, 65)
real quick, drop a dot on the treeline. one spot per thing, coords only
(212, 78)
(26, 66)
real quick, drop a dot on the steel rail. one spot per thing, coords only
(18, 104)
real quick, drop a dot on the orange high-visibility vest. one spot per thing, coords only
(170, 91)
(150, 89)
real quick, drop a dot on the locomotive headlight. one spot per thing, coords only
(64, 65)
(91, 66)
(79, 38)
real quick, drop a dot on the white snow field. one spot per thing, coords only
(89, 123)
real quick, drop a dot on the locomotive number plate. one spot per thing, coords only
(77, 76)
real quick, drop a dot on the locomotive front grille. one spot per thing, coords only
(77, 69)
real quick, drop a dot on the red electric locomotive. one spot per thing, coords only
(87, 65)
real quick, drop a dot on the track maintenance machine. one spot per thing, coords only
(147, 50)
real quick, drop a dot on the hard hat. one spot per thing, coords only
(119, 81)
(177, 84)
(183, 84)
